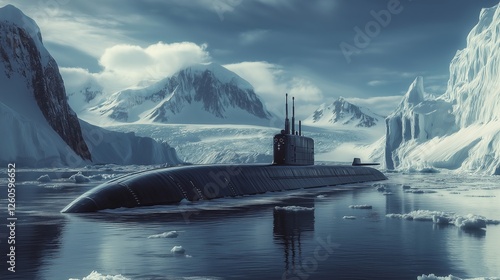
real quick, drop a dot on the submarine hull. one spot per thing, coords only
(205, 182)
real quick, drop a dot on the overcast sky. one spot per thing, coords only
(318, 50)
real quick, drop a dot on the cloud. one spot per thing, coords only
(375, 83)
(127, 65)
(253, 36)
(271, 82)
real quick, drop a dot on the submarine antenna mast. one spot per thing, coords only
(287, 121)
(300, 128)
(293, 115)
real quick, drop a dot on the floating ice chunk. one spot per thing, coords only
(381, 188)
(96, 177)
(293, 208)
(178, 250)
(97, 276)
(349, 217)
(321, 196)
(434, 277)
(362, 206)
(79, 178)
(451, 277)
(387, 193)
(421, 215)
(492, 222)
(170, 234)
(441, 220)
(470, 222)
(44, 179)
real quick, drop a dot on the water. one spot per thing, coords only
(247, 238)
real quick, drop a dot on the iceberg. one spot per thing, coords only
(460, 129)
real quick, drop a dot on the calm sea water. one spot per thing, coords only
(248, 238)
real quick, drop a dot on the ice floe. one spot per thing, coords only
(469, 221)
(293, 208)
(349, 217)
(170, 234)
(178, 250)
(79, 178)
(451, 277)
(97, 276)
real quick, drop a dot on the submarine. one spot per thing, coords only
(292, 168)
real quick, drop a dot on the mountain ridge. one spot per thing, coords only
(343, 113)
(203, 93)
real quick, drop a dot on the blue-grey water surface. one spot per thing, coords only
(248, 238)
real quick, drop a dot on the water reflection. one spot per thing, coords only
(288, 228)
(38, 234)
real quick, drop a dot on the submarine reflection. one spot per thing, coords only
(289, 224)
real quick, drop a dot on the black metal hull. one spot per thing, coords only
(204, 182)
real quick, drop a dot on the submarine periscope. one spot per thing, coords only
(292, 168)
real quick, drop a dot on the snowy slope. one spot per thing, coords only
(341, 113)
(205, 93)
(460, 129)
(359, 125)
(37, 123)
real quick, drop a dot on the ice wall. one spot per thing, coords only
(460, 129)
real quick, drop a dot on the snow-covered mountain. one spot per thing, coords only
(201, 94)
(37, 126)
(35, 113)
(83, 93)
(342, 113)
(461, 128)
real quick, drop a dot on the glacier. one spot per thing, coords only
(460, 129)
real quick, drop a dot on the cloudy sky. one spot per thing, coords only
(317, 50)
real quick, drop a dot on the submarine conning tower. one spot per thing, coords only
(292, 148)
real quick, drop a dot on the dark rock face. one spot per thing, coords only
(20, 54)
